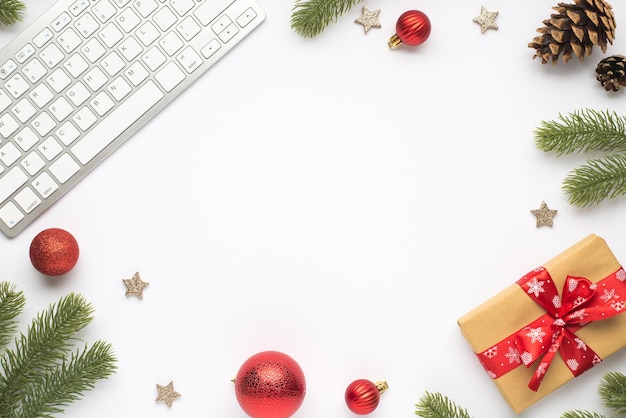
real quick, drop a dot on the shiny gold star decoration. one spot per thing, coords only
(135, 286)
(486, 20)
(369, 19)
(167, 394)
(544, 215)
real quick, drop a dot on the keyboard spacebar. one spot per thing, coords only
(117, 122)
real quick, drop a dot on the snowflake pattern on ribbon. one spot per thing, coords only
(581, 303)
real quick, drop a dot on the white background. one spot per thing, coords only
(334, 200)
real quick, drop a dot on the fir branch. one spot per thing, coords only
(613, 391)
(310, 17)
(11, 305)
(598, 180)
(46, 342)
(68, 381)
(581, 414)
(582, 131)
(11, 11)
(435, 405)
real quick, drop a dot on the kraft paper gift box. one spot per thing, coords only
(489, 328)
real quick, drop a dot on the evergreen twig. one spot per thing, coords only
(11, 11)
(613, 391)
(599, 179)
(582, 131)
(436, 405)
(581, 414)
(11, 305)
(310, 17)
(44, 371)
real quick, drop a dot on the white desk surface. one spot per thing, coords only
(334, 200)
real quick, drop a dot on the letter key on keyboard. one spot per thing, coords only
(84, 76)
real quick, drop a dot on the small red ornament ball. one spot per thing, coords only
(270, 384)
(412, 28)
(363, 396)
(54, 252)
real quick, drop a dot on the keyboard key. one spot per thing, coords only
(33, 163)
(188, 28)
(75, 65)
(211, 48)
(16, 85)
(51, 55)
(169, 76)
(50, 148)
(42, 37)
(34, 70)
(128, 20)
(171, 43)
(5, 100)
(112, 63)
(61, 21)
(182, 6)
(61, 108)
(26, 138)
(9, 153)
(103, 10)
(8, 125)
(27, 199)
(10, 214)
(110, 35)
(95, 79)
(10, 182)
(23, 110)
(69, 40)
(207, 11)
(145, 7)
(58, 80)
(189, 59)
(86, 25)
(147, 33)
(64, 168)
(41, 95)
(45, 185)
(119, 88)
(153, 58)
(78, 93)
(136, 73)
(102, 103)
(77, 7)
(7, 68)
(84, 118)
(67, 133)
(246, 17)
(23, 54)
(93, 50)
(164, 18)
(43, 123)
(130, 48)
(110, 128)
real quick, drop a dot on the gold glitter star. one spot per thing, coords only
(486, 20)
(544, 215)
(369, 19)
(167, 394)
(135, 286)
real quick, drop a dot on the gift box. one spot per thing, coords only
(552, 324)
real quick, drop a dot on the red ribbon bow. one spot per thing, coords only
(581, 302)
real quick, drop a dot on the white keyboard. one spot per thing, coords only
(81, 79)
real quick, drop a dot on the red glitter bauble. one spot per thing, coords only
(270, 384)
(54, 252)
(362, 396)
(412, 28)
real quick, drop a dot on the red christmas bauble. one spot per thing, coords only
(412, 28)
(362, 396)
(270, 384)
(54, 252)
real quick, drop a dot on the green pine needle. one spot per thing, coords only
(435, 405)
(44, 371)
(583, 131)
(310, 17)
(613, 391)
(599, 179)
(581, 414)
(11, 11)
(11, 305)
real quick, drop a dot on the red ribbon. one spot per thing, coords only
(554, 332)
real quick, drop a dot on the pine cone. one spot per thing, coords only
(612, 72)
(574, 29)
